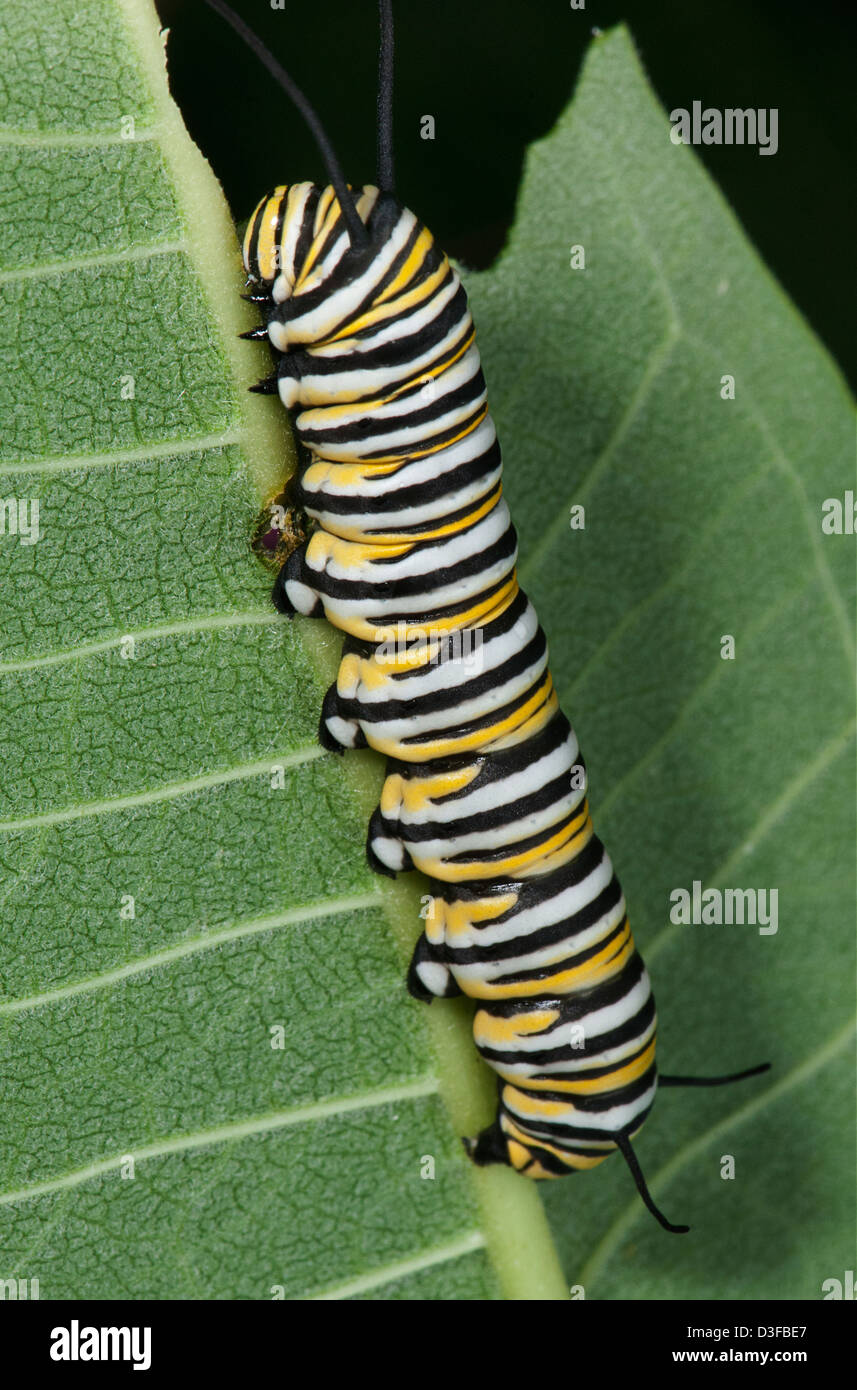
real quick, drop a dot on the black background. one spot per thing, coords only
(496, 74)
(243, 1339)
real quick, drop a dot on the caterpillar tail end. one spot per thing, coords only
(488, 1147)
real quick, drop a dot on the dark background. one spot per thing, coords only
(496, 74)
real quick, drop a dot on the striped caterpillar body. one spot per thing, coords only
(445, 671)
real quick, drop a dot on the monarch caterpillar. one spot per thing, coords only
(411, 552)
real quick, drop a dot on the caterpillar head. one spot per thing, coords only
(298, 238)
(311, 278)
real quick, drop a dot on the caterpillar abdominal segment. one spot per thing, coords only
(445, 668)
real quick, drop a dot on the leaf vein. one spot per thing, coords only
(191, 946)
(166, 793)
(388, 1274)
(167, 448)
(59, 139)
(51, 268)
(230, 1133)
(212, 622)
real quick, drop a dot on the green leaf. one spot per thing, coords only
(703, 518)
(146, 769)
